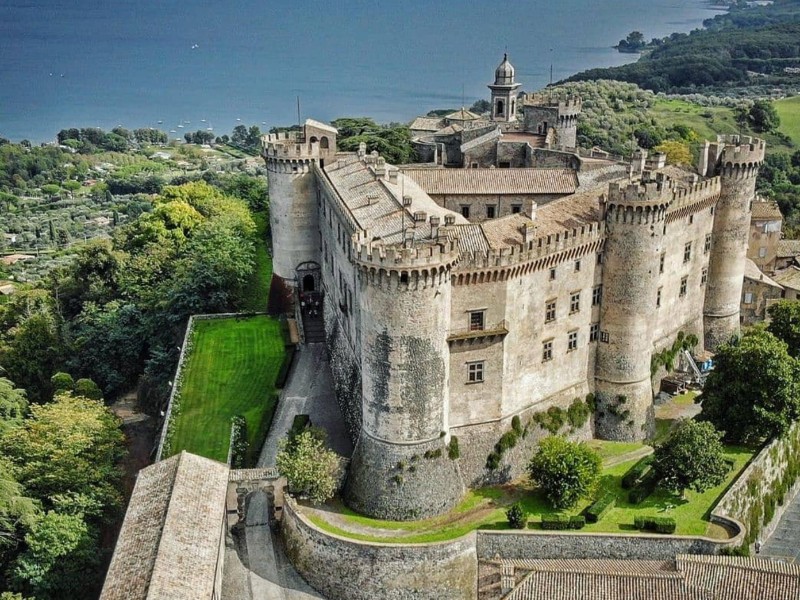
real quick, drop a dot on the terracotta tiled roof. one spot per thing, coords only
(735, 578)
(788, 248)
(751, 271)
(789, 278)
(426, 124)
(168, 546)
(766, 210)
(462, 115)
(495, 181)
(544, 585)
(568, 213)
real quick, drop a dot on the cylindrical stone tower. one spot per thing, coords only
(293, 207)
(400, 468)
(736, 160)
(634, 227)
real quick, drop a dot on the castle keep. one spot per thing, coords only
(459, 294)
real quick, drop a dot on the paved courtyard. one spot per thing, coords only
(785, 541)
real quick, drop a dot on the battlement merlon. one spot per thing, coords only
(646, 192)
(315, 140)
(424, 259)
(735, 151)
(567, 106)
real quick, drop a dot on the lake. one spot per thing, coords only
(210, 64)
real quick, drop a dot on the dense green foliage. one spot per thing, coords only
(784, 324)
(691, 458)
(517, 517)
(655, 523)
(779, 179)
(752, 393)
(392, 141)
(759, 39)
(564, 470)
(311, 468)
(600, 508)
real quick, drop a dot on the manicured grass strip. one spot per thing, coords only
(231, 370)
(485, 509)
(789, 112)
(608, 450)
(256, 293)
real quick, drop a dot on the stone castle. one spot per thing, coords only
(507, 274)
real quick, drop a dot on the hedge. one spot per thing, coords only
(561, 522)
(238, 442)
(657, 524)
(286, 365)
(644, 488)
(600, 508)
(636, 473)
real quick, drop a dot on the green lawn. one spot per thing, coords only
(707, 121)
(257, 292)
(485, 509)
(231, 370)
(789, 112)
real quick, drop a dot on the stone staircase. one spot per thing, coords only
(314, 328)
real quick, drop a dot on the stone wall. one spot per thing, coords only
(343, 569)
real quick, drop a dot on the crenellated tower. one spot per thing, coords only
(543, 112)
(635, 217)
(736, 160)
(293, 212)
(400, 468)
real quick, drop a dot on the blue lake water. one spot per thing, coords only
(108, 62)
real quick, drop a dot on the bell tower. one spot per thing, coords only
(504, 93)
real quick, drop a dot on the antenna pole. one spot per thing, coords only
(299, 124)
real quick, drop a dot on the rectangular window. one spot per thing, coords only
(762, 252)
(658, 298)
(594, 329)
(748, 297)
(476, 320)
(572, 341)
(712, 210)
(707, 246)
(550, 311)
(599, 258)
(574, 302)
(604, 337)
(597, 295)
(490, 212)
(691, 219)
(547, 350)
(475, 372)
(552, 274)
(687, 252)
(465, 212)
(516, 209)
(661, 263)
(703, 276)
(577, 266)
(683, 286)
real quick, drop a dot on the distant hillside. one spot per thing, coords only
(749, 45)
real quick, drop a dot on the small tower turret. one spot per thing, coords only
(736, 160)
(634, 223)
(504, 93)
(543, 112)
(400, 469)
(293, 214)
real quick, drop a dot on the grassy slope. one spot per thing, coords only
(231, 370)
(706, 121)
(257, 291)
(485, 508)
(789, 112)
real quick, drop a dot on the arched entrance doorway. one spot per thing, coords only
(310, 298)
(308, 283)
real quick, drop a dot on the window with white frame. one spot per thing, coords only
(572, 340)
(475, 371)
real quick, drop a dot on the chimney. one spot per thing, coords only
(393, 175)
(406, 201)
(449, 220)
(435, 227)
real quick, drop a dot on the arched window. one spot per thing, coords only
(500, 108)
(323, 143)
(513, 107)
(313, 139)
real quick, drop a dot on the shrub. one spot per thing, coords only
(516, 424)
(238, 442)
(657, 524)
(453, 451)
(310, 466)
(299, 423)
(635, 473)
(564, 470)
(600, 508)
(645, 487)
(517, 517)
(577, 413)
(492, 461)
(555, 522)
(577, 522)
(507, 441)
(431, 454)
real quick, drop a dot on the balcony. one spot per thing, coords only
(475, 333)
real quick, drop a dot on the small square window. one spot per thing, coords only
(577, 266)
(703, 276)
(574, 302)
(516, 209)
(661, 263)
(572, 341)
(748, 297)
(707, 245)
(594, 330)
(474, 165)
(604, 337)
(476, 320)
(683, 286)
(475, 372)
(552, 274)
(597, 295)
(550, 311)
(547, 350)
(490, 212)
(465, 211)
(658, 298)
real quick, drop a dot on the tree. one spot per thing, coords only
(691, 457)
(785, 324)
(565, 471)
(516, 516)
(311, 468)
(678, 153)
(16, 510)
(752, 393)
(13, 405)
(763, 116)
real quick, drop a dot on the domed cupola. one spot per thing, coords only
(504, 74)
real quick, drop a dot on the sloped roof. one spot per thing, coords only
(788, 277)
(788, 248)
(495, 181)
(426, 124)
(462, 115)
(321, 125)
(737, 578)
(482, 139)
(450, 130)
(568, 213)
(751, 271)
(168, 546)
(766, 210)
